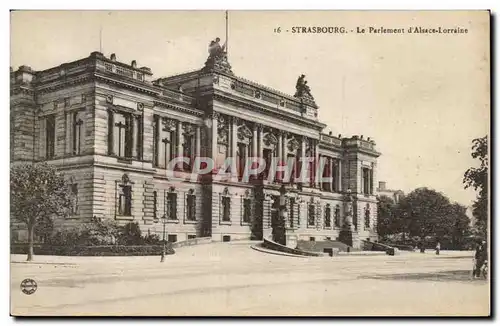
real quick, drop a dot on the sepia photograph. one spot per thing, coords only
(250, 163)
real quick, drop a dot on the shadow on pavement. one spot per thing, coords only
(445, 276)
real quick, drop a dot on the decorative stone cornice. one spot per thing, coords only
(296, 119)
(184, 109)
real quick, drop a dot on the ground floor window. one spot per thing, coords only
(172, 238)
(171, 205)
(311, 216)
(328, 216)
(125, 201)
(226, 206)
(247, 210)
(337, 216)
(191, 206)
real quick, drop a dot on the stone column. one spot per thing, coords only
(332, 163)
(157, 135)
(316, 160)
(254, 140)
(198, 142)
(302, 157)
(261, 140)
(69, 135)
(284, 151)
(280, 145)
(234, 136)
(135, 135)
(180, 140)
(214, 136)
(339, 177)
(374, 177)
(111, 127)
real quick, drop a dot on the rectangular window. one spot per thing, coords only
(337, 216)
(123, 141)
(74, 191)
(191, 207)
(226, 238)
(366, 181)
(172, 238)
(226, 208)
(328, 216)
(77, 128)
(50, 136)
(247, 210)
(311, 216)
(165, 141)
(172, 206)
(125, 201)
(191, 236)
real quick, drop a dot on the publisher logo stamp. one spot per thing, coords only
(28, 286)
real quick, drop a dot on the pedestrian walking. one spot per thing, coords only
(438, 248)
(480, 258)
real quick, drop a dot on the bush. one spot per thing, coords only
(130, 234)
(113, 250)
(152, 239)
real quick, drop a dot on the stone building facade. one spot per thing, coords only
(394, 194)
(112, 129)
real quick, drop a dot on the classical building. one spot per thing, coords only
(112, 129)
(394, 194)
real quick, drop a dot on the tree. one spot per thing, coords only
(461, 226)
(424, 208)
(429, 213)
(477, 178)
(38, 194)
(386, 216)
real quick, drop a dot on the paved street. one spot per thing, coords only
(233, 279)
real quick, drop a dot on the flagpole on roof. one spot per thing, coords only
(227, 41)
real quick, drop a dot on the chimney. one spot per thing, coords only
(381, 185)
(134, 64)
(330, 133)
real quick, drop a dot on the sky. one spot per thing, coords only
(423, 98)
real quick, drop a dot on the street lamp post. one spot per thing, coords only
(164, 222)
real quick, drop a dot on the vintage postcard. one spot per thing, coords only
(249, 163)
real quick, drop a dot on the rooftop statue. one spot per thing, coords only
(215, 50)
(302, 90)
(217, 57)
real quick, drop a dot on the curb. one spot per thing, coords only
(278, 253)
(42, 263)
